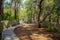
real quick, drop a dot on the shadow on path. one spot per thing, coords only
(28, 32)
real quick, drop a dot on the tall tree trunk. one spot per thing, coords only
(50, 18)
(58, 14)
(57, 21)
(31, 15)
(1, 9)
(15, 10)
(10, 12)
(40, 7)
(17, 14)
(1, 17)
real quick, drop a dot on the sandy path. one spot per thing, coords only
(28, 32)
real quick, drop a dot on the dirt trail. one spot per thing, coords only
(30, 32)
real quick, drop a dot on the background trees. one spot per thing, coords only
(35, 11)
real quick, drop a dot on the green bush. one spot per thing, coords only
(6, 16)
(53, 29)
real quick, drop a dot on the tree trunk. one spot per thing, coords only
(40, 7)
(31, 15)
(57, 22)
(50, 18)
(58, 14)
(15, 10)
(1, 17)
(1, 9)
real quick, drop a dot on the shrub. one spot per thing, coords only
(53, 29)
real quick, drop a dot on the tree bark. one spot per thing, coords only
(15, 10)
(58, 14)
(1, 9)
(40, 7)
(1, 17)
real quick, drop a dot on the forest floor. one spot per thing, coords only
(31, 32)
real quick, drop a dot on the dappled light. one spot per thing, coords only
(35, 34)
(29, 19)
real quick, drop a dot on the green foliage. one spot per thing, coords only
(53, 29)
(18, 1)
(22, 14)
(48, 6)
(6, 16)
(28, 2)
